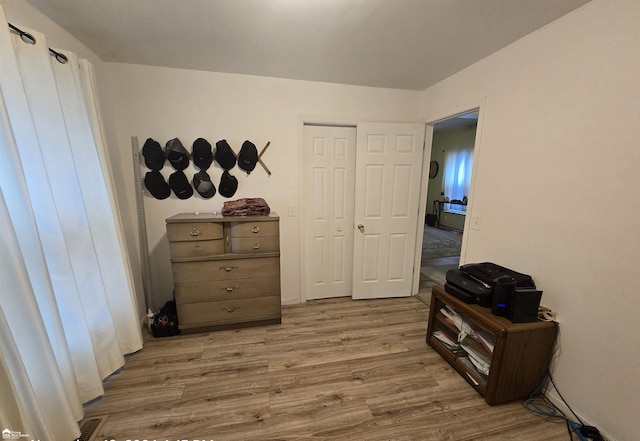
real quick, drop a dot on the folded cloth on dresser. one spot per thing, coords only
(246, 207)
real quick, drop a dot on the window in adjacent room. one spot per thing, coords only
(456, 180)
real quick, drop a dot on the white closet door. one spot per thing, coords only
(387, 185)
(329, 158)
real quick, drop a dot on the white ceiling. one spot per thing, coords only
(402, 44)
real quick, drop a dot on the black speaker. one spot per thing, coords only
(500, 296)
(523, 305)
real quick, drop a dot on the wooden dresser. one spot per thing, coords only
(226, 270)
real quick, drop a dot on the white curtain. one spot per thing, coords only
(68, 311)
(456, 180)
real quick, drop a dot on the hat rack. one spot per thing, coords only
(261, 161)
(153, 157)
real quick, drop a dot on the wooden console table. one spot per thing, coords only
(516, 355)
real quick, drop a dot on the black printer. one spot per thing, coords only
(508, 292)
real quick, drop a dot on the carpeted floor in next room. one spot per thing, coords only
(440, 252)
(439, 243)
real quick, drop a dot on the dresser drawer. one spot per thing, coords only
(230, 311)
(196, 248)
(188, 231)
(227, 290)
(253, 229)
(255, 245)
(212, 270)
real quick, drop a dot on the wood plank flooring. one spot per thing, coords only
(333, 370)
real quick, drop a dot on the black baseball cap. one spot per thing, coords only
(248, 156)
(157, 186)
(202, 154)
(153, 154)
(177, 155)
(180, 185)
(228, 184)
(203, 185)
(224, 155)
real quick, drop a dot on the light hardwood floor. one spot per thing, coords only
(333, 370)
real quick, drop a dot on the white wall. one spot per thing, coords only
(558, 149)
(164, 103)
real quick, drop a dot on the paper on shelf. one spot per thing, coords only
(444, 338)
(459, 321)
(480, 361)
(467, 362)
(486, 339)
(454, 316)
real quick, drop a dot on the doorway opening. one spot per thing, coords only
(447, 196)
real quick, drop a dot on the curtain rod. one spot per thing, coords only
(30, 39)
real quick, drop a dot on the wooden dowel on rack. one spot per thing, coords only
(261, 161)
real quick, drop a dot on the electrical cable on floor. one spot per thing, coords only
(563, 400)
(540, 405)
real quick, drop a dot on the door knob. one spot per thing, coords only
(361, 228)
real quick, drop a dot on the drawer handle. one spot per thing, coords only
(255, 229)
(195, 232)
(256, 245)
(229, 288)
(228, 268)
(232, 309)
